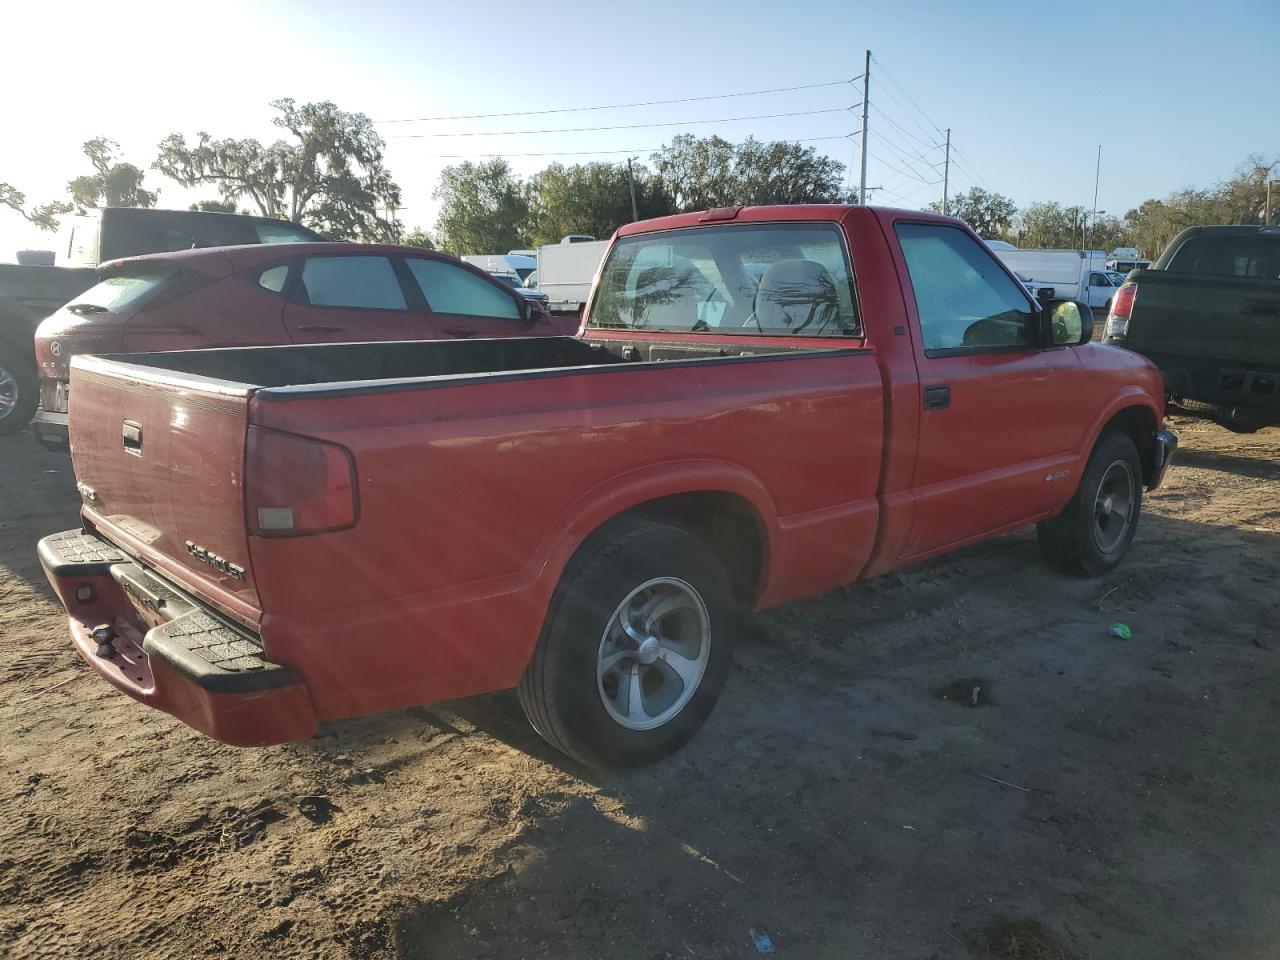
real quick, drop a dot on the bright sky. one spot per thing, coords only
(1176, 92)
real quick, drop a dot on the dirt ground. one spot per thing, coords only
(1107, 798)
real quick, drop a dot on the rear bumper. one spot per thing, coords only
(168, 651)
(51, 430)
(1165, 446)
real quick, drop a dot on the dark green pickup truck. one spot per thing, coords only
(1208, 314)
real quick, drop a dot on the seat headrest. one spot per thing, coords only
(793, 293)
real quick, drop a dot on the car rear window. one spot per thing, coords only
(123, 290)
(770, 278)
(1229, 256)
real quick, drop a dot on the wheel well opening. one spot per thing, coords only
(725, 522)
(1139, 424)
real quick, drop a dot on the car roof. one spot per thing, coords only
(246, 256)
(811, 212)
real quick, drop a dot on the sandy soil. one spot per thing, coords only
(834, 801)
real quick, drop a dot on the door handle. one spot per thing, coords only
(937, 398)
(318, 328)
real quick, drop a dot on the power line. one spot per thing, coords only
(622, 126)
(968, 164)
(928, 145)
(913, 175)
(622, 106)
(908, 156)
(590, 153)
(889, 75)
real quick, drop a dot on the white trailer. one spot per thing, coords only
(566, 271)
(1071, 274)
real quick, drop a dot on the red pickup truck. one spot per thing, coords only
(764, 403)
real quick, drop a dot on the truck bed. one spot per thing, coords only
(361, 367)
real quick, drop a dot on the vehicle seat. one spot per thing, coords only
(670, 294)
(795, 295)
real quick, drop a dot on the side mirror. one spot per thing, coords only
(1070, 323)
(527, 313)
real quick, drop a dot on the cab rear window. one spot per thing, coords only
(1229, 255)
(768, 278)
(117, 293)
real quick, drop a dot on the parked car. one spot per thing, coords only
(1208, 314)
(532, 293)
(277, 536)
(30, 292)
(254, 296)
(1073, 274)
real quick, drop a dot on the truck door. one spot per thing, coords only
(994, 440)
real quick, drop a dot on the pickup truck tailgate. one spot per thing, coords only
(159, 459)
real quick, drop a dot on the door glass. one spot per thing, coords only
(365, 282)
(273, 278)
(965, 301)
(453, 289)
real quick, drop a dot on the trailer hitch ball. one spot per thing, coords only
(103, 634)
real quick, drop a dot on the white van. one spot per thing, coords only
(513, 262)
(1071, 274)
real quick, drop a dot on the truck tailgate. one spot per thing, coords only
(159, 459)
(1233, 320)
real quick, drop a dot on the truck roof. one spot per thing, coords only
(799, 211)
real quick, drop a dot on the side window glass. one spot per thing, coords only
(965, 301)
(1098, 280)
(272, 279)
(279, 233)
(362, 282)
(453, 289)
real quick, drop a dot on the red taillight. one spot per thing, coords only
(1121, 306)
(295, 485)
(1122, 302)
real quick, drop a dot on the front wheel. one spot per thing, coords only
(1091, 536)
(19, 394)
(636, 648)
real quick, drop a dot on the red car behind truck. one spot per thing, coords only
(764, 403)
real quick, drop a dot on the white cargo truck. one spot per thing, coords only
(1073, 274)
(566, 271)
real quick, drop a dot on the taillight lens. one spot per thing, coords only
(296, 485)
(1121, 308)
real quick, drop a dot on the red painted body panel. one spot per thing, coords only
(474, 493)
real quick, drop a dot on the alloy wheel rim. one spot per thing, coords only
(653, 653)
(1113, 506)
(9, 393)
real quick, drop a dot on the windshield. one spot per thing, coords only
(774, 278)
(118, 292)
(508, 279)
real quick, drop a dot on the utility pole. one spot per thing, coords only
(1266, 217)
(631, 181)
(866, 96)
(946, 172)
(1097, 172)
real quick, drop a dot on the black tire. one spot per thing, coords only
(563, 691)
(19, 393)
(1084, 540)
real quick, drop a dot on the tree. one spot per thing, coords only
(701, 173)
(417, 237)
(988, 214)
(113, 183)
(44, 216)
(330, 176)
(591, 198)
(483, 208)
(213, 206)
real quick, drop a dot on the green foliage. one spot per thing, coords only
(1240, 199)
(213, 206)
(483, 208)
(113, 183)
(591, 198)
(989, 214)
(329, 176)
(417, 237)
(44, 216)
(711, 172)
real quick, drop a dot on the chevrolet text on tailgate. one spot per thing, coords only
(764, 403)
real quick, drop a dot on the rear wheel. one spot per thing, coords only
(636, 648)
(19, 395)
(1091, 536)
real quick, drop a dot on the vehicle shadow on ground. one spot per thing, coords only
(1254, 467)
(837, 803)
